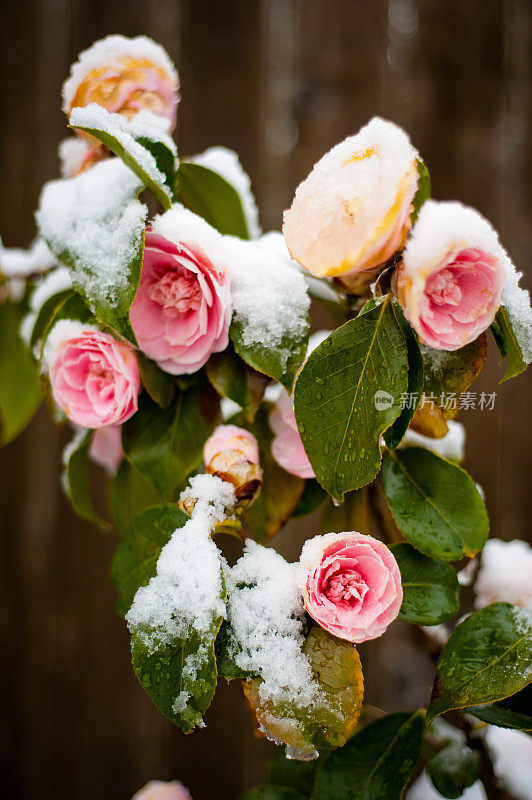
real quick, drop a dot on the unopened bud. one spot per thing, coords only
(232, 454)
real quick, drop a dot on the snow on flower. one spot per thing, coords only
(453, 272)
(505, 574)
(125, 75)
(351, 585)
(94, 377)
(352, 213)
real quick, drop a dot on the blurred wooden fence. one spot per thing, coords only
(280, 81)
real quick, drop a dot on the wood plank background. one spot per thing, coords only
(280, 81)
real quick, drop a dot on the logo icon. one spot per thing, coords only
(382, 400)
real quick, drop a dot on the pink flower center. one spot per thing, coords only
(347, 586)
(443, 288)
(177, 292)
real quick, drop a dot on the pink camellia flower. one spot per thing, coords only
(124, 76)
(287, 447)
(182, 310)
(352, 585)
(453, 272)
(95, 378)
(352, 213)
(106, 448)
(231, 437)
(163, 790)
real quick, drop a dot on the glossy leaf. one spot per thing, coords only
(166, 445)
(423, 189)
(45, 315)
(106, 260)
(312, 499)
(225, 655)
(375, 764)
(20, 395)
(76, 477)
(161, 674)
(511, 712)
(488, 657)
(507, 340)
(430, 587)
(323, 726)
(232, 378)
(281, 491)
(453, 770)
(395, 433)
(135, 559)
(353, 515)
(213, 198)
(160, 385)
(131, 493)
(436, 505)
(451, 372)
(272, 360)
(272, 792)
(347, 394)
(136, 155)
(283, 771)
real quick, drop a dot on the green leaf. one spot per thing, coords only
(376, 763)
(280, 362)
(20, 395)
(162, 676)
(507, 341)
(225, 655)
(232, 378)
(135, 559)
(337, 393)
(131, 493)
(213, 198)
(430, 587)
(511, 712)
(451, 372)
(135, 152)
(283, 771)
(160, 385)
(393, 435)
(281, 491)
(95, 224)
(322, 726)
(453, 769)
(435, 503)
(312, 499)
(45, 315)
(423, 189)
(76, 477)
(272, 792)
(488, 657)
(352, 515)
(166, 445)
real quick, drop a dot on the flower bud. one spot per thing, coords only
(232, 454)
